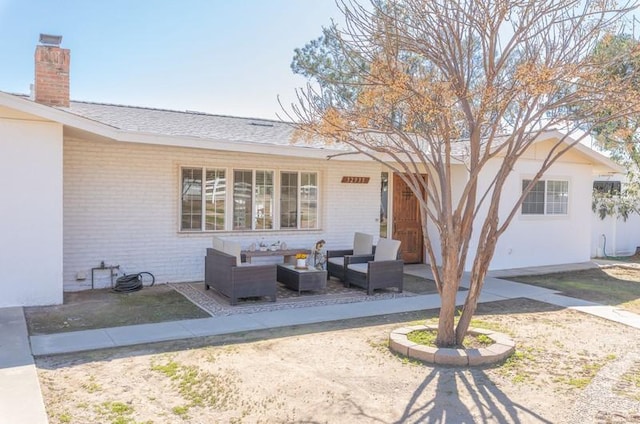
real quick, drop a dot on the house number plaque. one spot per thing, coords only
(355, 180)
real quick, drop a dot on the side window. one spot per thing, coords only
(547, 197)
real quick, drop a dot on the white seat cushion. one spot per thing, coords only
(387, 250)
(338, 260)
(218, 244)
(359, 267)
(362, 244)
(233, 248)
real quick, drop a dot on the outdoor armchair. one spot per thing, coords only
(223, 272)
(337, 259)
(381, 271)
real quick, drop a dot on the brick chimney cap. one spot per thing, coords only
(50, 40)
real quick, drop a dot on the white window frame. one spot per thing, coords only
(546, 212)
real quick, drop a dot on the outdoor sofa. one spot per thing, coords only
(228, 276)
(379, 271)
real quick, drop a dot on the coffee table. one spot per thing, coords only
(302, 279)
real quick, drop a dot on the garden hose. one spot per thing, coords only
(132, 282)
(604, 251)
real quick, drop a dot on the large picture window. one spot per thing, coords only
(242, 199)
(547, 197)
(191, 199)
(215, 194)
(288, 200)
(308, 200)
(200, 199)
(259, 200)
(264, 200)
(298, 200)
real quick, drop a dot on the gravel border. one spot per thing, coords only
(599, 402)
(210, 303)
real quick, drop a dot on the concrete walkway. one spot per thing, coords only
(20, 397)
(21, 400)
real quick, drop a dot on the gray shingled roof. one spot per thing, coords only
(185, 124)
(203, 125)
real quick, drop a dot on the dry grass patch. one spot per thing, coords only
(103, 308)
(615, 285)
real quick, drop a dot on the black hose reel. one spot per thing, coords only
(132, 282)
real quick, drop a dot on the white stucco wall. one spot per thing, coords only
(622, 237)
(535, 240)
(121, 205)
(547, 239)
(30, 211)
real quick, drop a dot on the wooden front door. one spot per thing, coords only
(407, 225)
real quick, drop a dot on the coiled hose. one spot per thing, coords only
(132, 282)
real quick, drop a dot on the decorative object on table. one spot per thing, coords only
(275, 246)
(252, 247)
(263, 246)
(283, 246)
(301, 260)
(319, 256)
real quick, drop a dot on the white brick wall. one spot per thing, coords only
(121, 205)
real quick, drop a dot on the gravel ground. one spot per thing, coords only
(606, 399)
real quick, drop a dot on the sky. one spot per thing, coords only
(228, 57)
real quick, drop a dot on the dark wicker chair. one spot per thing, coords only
(379, 271)
(336, 259)
(223, 274)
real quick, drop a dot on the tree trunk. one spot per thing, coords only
(446, 334)
(451, 282)
(478, 274)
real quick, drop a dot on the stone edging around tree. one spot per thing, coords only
(497, 352)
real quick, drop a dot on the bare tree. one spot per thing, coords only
(425, 85)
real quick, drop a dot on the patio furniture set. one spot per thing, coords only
(366, 266)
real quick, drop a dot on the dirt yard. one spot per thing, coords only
(343, 373)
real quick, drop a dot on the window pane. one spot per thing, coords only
(191, 199)
(215, 199)
(288, 200)
(264, 200)
(534, 202)
(242, 188)
(557, 197)
(384, 203)
(308, 200)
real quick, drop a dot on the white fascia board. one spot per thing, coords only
(602, 160)
(235, 146)
(602, 163)
(56, 115)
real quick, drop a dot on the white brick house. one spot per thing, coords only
(83, 183)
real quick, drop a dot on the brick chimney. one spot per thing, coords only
(52, 72)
